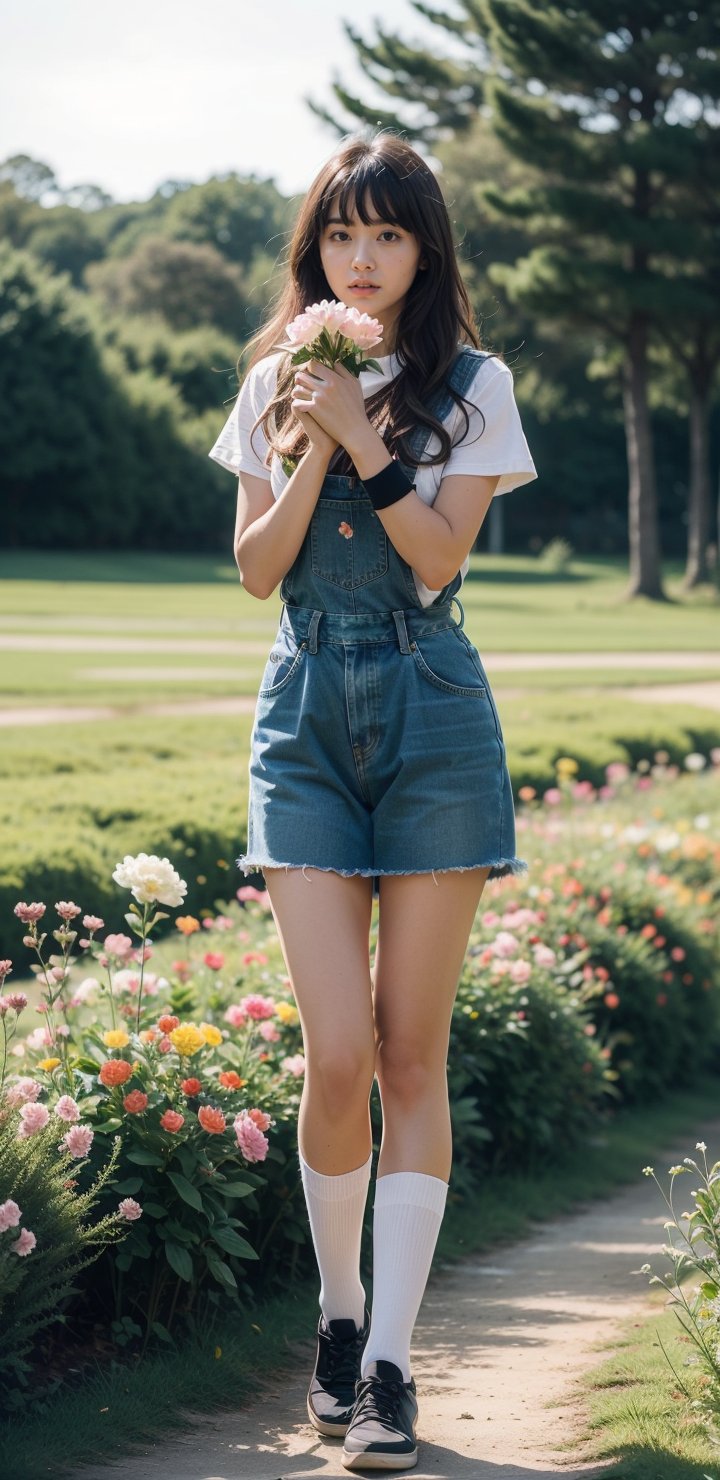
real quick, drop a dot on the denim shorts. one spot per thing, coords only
(376, 746)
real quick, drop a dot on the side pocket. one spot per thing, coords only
(284, 661)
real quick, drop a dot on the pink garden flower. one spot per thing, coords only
(17, 1000)
(235, 1016)
(294, 1063)
(5, 969)
(25, 1243)
(214, 960)
(258, 1007)
(251, 1141)
(505, 944)
(29, 913)
(520, 971)
(130, 1209)
(9, 1215)
(21, 1092)
(78, 1140)
(118, 945)
(67, 1108)
(67, 910)
(92, 923)
(269, 1032)
(33, 1118)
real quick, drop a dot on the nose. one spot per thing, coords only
(362, 259)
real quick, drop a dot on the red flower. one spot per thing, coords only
(135, 1102)
(168, 1022)
(115, 1071)
(171, 1120)
(191, 1086)
(214, 959)
(211, 1120)
(230, 1079)
(611, 999)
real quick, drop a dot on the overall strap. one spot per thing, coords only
(461, 374)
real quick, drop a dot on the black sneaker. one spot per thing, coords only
(381, 1434)
(331, 1396)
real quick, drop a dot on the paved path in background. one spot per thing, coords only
(499, 1343)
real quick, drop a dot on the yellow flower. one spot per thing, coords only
(187, 924)
(187, 1039)
(48, 1064)
(566, 765)
(287, 1012)
(211, 1034)
(116, 1038)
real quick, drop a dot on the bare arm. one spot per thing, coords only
(269, 531)
(433, 540)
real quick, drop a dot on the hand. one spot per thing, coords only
(336, 399)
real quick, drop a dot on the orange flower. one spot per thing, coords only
(167, 1022)
(115, 1071)
(171, 1120)
(187, 924)
(211, 1120)
(230, 1079)
(191, 1086)
(135, 1102)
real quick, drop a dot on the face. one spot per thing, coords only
(380, 254)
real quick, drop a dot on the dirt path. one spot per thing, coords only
(498, 1346)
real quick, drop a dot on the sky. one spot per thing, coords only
(126, 96)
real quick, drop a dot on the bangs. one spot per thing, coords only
(370, 181)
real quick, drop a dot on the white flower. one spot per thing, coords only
(694, 761)
(634, 834)
(665, 839)
(701, 821)
(150, 879)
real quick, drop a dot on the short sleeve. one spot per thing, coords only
(497, 444)
(233, 448)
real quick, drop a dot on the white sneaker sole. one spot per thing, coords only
(331, 1430)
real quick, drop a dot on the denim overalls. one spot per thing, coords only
(376, 746)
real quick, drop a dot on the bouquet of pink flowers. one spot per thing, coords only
(333, 334)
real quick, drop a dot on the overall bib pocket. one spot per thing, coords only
(284, 661)
(348, 545)
(445, 661)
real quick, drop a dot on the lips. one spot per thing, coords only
(363, 287)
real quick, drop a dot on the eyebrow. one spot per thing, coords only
(338, 221)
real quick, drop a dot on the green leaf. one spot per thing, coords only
(188, 1193)
(162, 1332)
(709, 1290)
(234, 1189)
(144, 1158)
(131, 1184)
(220, 1270)
(232, 1243)
(156, 1210)
(179, 1260)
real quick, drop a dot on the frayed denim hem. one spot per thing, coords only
(498, 869)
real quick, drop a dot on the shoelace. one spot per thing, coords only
(342, 1358)
(377, 1398)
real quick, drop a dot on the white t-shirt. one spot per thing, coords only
(499, 448)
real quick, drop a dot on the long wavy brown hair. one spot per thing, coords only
(381, 170)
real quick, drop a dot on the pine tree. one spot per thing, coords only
(613, 108)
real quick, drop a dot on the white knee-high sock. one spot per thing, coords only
(408, 1210)
(336, 1206)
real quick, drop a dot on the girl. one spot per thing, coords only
(377, 751)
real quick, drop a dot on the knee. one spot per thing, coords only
(342, 1076)
(405, 1072)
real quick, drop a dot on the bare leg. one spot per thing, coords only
(323, 922)
(423, 933)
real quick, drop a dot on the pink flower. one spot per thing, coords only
(258, 1007)
(92, 923)
(214, 960)
(78, 1140)
(17, 1000)
(552, 796)
(130, 1209)
(118, 945)
(67, 910)
(67, 1108)
(361, 328)
(29, 913)
(9, 1215)
(248, 891)
(5, 969)
(21, 1091)
(269, 1032)
(520, 971)
(235, 1016)
(294, 1063)
(505, 944)
(33, 1118)
(25, 1243)
(250, 1139)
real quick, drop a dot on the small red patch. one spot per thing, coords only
(346, 530)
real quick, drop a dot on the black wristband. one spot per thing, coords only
(387, 486)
